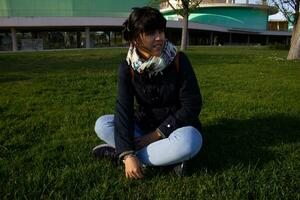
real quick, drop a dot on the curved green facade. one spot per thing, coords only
(230, 17)
(56, 24)
(68, 8)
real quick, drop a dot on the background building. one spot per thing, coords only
(52, 24)
(56, 24)
(230, 22)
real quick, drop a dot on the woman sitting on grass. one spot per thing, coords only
(158, 102)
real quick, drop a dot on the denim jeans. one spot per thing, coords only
(181, 145)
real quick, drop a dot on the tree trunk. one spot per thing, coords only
(184, 35)
(185, 24)
(294, 52)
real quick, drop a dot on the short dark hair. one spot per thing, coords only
(144, 19)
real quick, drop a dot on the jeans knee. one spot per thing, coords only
(191, 142)
(103, 126)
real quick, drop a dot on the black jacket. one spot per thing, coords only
(165, 102)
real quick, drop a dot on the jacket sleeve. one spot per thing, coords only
(189, 98)
(124, 112)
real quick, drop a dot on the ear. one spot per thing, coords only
(139, 40)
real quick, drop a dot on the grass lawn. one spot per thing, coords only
(50, 101)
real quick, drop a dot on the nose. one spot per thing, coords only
(158, 35)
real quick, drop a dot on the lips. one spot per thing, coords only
(158, 46)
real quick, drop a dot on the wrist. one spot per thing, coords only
(129, 156)
(159, 134)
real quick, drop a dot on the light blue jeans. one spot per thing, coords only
(181, 145)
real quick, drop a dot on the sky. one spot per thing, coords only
(276, 16)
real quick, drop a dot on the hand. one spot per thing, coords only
(143, 141)
(133, 167)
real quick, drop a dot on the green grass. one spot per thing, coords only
(50, 101)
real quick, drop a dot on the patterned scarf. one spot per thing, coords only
(153, 65)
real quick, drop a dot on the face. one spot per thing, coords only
(154, 41)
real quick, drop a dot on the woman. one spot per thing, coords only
(158, 102)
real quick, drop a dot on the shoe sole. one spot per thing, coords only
(101, 145)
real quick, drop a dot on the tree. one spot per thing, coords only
(183, 8)
(264, 2)
(290, 9)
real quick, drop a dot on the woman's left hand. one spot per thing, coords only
(141, 142)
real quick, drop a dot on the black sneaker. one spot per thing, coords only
(105, 151)
(181, 169)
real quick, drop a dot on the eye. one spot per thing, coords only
(161, 30)
(153, 32)
(148, 33)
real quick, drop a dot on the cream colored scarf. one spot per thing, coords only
(153, 65)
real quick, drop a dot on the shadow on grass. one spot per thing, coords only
(248, 142)
(41, 62)
(13, 78)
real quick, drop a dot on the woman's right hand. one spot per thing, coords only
(133, 167)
